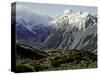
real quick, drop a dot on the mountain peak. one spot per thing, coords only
(74, 19)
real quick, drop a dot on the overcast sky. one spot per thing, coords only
(53, 9)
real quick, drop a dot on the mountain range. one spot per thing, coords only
(70, 30)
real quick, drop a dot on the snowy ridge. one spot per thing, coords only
(74, 19)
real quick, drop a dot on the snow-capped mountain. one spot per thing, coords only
(70, 30)
(74, 19)
(74, 30)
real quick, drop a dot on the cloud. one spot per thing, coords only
(67, 11)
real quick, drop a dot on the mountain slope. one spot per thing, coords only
(74, 31)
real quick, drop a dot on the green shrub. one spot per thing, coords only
(23, 68)
(37, 66)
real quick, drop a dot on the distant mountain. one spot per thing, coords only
(32, 27)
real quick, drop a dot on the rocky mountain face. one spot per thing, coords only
(74, 30)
